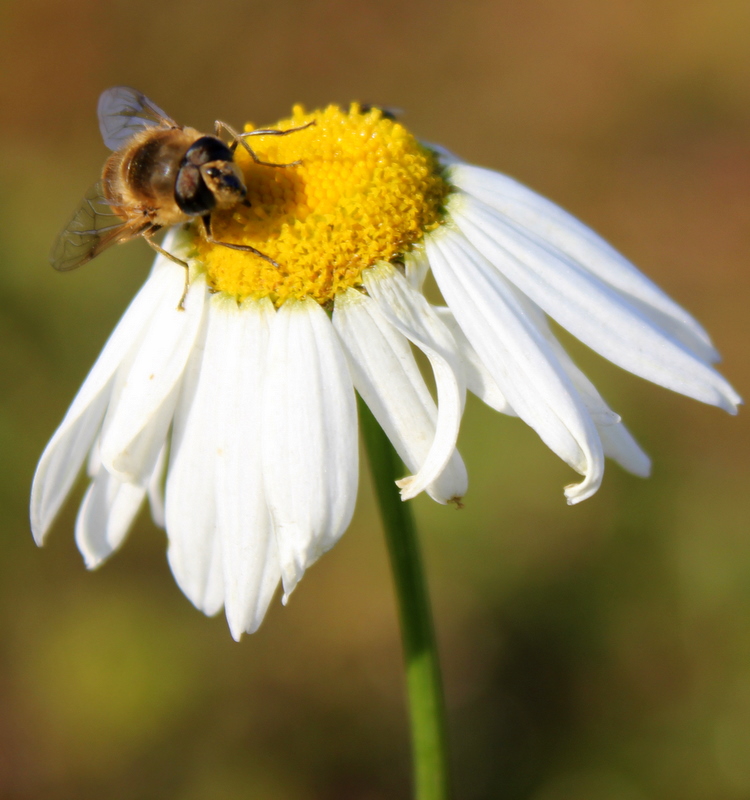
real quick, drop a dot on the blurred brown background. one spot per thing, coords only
(600, 652)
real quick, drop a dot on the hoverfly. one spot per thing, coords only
(160, 174)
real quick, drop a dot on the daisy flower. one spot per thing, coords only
(236, 417)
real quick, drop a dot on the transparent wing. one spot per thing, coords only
(93, 228)
(124, 112)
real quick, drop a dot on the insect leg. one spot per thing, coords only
(243, 247)
(276, 131)
(239, 138)
(147, 234)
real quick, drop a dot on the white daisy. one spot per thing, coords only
(236, 417)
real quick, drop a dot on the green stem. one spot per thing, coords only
(423, 684)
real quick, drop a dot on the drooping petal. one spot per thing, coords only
(617, 441)
(108, 510)
(568, 236)
(409, 313)
(620, 445)
(479, 381)
(309, 437)
(251, 563)
(147, 386)
(64, 455)
(600, 316)
(194, 551)
(517, 355)
(387, 377)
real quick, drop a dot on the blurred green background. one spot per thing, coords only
(600, 652)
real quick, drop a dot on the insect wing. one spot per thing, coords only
(123, 112)
(93, 228)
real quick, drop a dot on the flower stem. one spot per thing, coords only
(423, 683)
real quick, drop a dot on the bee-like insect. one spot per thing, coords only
(161, 174)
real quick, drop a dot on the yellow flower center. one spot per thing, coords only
(365, 191)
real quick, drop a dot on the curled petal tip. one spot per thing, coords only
(571, 499)
(577, 492)
(406, 485)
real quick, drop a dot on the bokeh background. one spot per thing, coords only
(600, 652)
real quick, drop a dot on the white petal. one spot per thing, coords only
(387, 377)
(309, 437)
(190, 500)
(251, 563)
(617, 441)
(571, 237)
(478, 377)
(620, 446)
(515, 352)
(94, 461)
(590, 309)
(105, 517)
(155, 489)
(411, 314)
(61, 462)
(146, 390)
(416, 267)
(67, 450)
